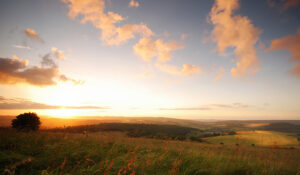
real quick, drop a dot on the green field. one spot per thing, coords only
(115, 153)
(261, 138)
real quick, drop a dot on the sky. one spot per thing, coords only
(208, 59)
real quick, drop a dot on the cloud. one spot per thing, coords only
(235, 31)
(233, 105)
(296, 70)
(210, 107)
(220, 74)
(64, 78)
(59, 54)
(292, 44)
(48, 61)
(112, 34)
(18, 103)
(32, 34)
(240, 105)
(186, 70)
(133, 3)
(15, 70)
(291, 3)
(147, 48)
(21, 47)
(284, 4)
(185, 109)
(93, 11)
(127, 32)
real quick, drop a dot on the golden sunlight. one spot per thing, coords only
(62, 113)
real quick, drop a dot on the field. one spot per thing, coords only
(115, 146)
(261, 138)
(47, 152)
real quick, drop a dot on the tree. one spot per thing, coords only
(26, 122)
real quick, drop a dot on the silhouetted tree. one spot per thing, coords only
(26, 122)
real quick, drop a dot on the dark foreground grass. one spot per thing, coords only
(113, 153)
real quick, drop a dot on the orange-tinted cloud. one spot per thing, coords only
(291, 3)
(220, 74)
(15, 71)
(64, 78)
(185, 109)
(292, 44)
(235, 31)
(133, 3)
(296, 70)
(17, 103)
(32, 34)
(284, 4)
(59, 54)
(127, 32)
(210, 107)
(93, 11)
(186, 70)
(148, 48)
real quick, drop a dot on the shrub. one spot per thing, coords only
(26, 122)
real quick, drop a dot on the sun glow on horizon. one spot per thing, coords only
(62, 113)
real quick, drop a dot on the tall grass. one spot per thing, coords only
(115, 153)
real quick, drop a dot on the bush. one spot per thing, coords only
(26, 122)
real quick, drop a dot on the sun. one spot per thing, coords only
(62, 113)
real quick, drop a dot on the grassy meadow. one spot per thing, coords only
(115, 153)
(261, 138)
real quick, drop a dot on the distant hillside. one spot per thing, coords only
(134, 130)
(208, 125)
(52, 122)
(282, 127)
